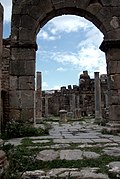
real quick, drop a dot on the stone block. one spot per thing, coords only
(23, 54)
(26, 82)
(16, 19)
(94, 8)
(113, 67)
(114, 97)
(15, 114)
(113, 54)
(26, 36)
(13, 82)
(6, 53)
(111, 2)
(27, 98)
(114, 81)
(82, 4)
(14, 99)
(27, 115)
(39, 10)
(114, 34)
(114, 113)
(58, 4)
(22, 68)
(28, 22)
(22, 99)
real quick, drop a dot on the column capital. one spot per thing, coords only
(108, 44)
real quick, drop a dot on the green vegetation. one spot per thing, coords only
(17, 129)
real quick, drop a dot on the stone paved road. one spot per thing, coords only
(75, 141)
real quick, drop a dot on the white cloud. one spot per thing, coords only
(7, 4)
(47, 36)
(68, 23)
(64, 23)
(61, 69)
(56, 87)
(44, 85)
(65, 57)
(92, 37)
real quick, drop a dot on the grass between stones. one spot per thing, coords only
(23, 159)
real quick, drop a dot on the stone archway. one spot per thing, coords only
(28, 16)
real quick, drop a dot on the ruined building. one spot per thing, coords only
(18, 53)
(78, 101)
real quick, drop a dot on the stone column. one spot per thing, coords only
(72, 102)
(112, 50)
(38, 97)
(46, 106)
(98, 115)
(1, 32)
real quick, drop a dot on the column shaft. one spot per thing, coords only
(38, 97)
(98, 115)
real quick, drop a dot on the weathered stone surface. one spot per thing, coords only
(22, 54)
(22, 67)
(40, 141)
(114, 169)
(90, 155)
(70, 154)
(47, 155)
(26, 82)
(114, 82)
(112, 151)
(114, 112)
(22, 99)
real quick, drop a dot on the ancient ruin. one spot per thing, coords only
(19, 56)
(20, 100)
(78, 101)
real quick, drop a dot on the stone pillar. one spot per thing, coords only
(1, 32)
(22, 82)
(98, 115)
(38, 97)
(72, 102)
(112, 50)
(46, 106)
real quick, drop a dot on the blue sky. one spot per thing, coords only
(67, 45)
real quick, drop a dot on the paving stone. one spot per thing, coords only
(15, 142)
(57, 146)
(70, 154)
(102, 140)
(112, 151)
(90, 155)
(48, 155)
(72, 141)
(114, 169)
(84, 174)
(40, 141)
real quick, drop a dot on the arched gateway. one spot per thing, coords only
(28, 16)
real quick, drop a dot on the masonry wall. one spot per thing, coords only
(5, 80)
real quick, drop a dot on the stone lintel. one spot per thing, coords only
(108, 44)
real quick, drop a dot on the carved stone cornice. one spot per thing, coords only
(109, 44)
